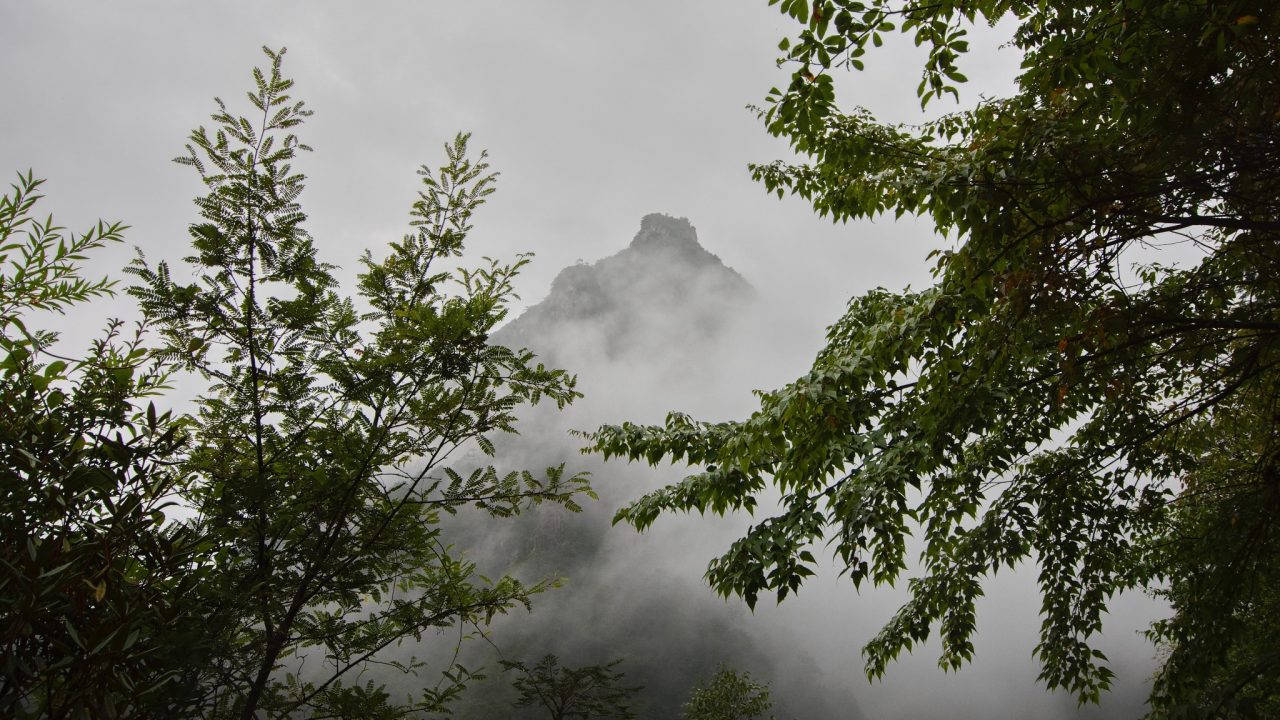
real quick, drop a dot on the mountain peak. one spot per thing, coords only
(664, 283)
(657, 229)
(671, 238)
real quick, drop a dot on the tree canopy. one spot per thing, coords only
(1046, 400)
(727, 695)
(331, 435)
(572, 693)
(97, 618)
(335, 431)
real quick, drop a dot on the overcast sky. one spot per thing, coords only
(595, 113)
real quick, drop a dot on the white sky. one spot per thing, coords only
(595, 112)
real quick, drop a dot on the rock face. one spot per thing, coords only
(662, 288)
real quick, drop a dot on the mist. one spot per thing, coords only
(664, 325)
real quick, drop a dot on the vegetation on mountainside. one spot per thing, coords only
(727, 695)
(566, 693)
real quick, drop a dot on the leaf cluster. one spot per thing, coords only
(95, 588)
(1041, 402)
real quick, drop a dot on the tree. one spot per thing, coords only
(591, 691)
(1039, 402)
(1223, 664)
(95, 588)
(727, 695)
(335, 432)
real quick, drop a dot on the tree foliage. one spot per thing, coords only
(334, 432)
(95, 589)
(1224, 664)
(727, 695)
(1042, 401)
(565, 693)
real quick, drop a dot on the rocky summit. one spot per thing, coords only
(662, 286)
